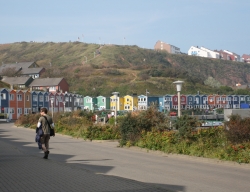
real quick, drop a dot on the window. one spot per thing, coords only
(11, 97)
(19, 110)
(47, 98)
(3, 96)
(26, 111)
(34, 97)
(41, 98)
(103, 100)
(12, 110)
(27, 98)
(52, 88)
(66, 99)
(19, 97)
(127, 99)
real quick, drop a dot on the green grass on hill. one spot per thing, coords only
(93, 69)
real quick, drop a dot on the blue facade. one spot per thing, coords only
(161, 104)
(34, 101)
(168, 103)
(204, 102)
(4, 100)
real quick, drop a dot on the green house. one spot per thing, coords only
(103, 103)
(89, 103)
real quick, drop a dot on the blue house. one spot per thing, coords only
(168, 103)
(34, 102)
(190, 101)
(4, 100)
(197, 102)
(161, 104)
(204, 103)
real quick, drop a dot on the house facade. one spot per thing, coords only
(160, 45)
(52, 85)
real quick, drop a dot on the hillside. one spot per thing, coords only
(93, 69)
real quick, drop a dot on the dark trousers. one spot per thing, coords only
(45, 142)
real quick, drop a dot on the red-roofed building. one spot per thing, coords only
(246, 58)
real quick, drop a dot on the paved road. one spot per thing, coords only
(93, 166)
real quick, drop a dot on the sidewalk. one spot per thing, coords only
(23, 172)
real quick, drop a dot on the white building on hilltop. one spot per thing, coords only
(203, 52)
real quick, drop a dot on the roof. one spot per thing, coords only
(24, 67)
(46, 82)
(16, 65)
(31, 70)
(15, 80)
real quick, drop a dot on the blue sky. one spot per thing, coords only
(214, 24)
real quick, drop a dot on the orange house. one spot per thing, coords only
(20, 103)
(12, 104)
(217, 101)
(211, 101)
(27, 102)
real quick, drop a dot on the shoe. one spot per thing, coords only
(46, 154)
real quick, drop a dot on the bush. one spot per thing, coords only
(102, 132)
(238, 129)
(129, 129)
(134, 123)
(186, 125)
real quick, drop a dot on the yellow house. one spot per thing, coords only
(130, 103)
(119, 104)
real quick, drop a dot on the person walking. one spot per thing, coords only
(46, 122)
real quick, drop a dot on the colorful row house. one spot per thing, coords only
(166, 102)
(18, 102)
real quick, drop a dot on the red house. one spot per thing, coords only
(183, 101)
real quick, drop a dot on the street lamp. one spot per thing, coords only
(52, 106)
(64, 106)
(178, 87)
(115, 94)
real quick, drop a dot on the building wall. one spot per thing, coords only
(63, 86)
(195, 51)
(211, 54)
(166, 47)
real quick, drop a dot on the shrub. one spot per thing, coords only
(128, 129)
(238, 129)
(105, 132)
(186, 125)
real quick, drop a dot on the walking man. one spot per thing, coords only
(47, 123)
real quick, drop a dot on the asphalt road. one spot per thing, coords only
(174, 172)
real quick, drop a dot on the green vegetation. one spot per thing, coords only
(92, 69)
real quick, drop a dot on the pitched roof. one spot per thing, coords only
(25, 67)
(46, 82)
(15, 80)
(16, 65)
(31, 70)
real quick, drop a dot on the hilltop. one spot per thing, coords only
(93, 69)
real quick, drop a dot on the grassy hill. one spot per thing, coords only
(93, 69)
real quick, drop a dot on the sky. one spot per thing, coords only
(214, 24)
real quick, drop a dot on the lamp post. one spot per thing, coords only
(115, 94)
(178, 87)
(64, 106)
(52, 106)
